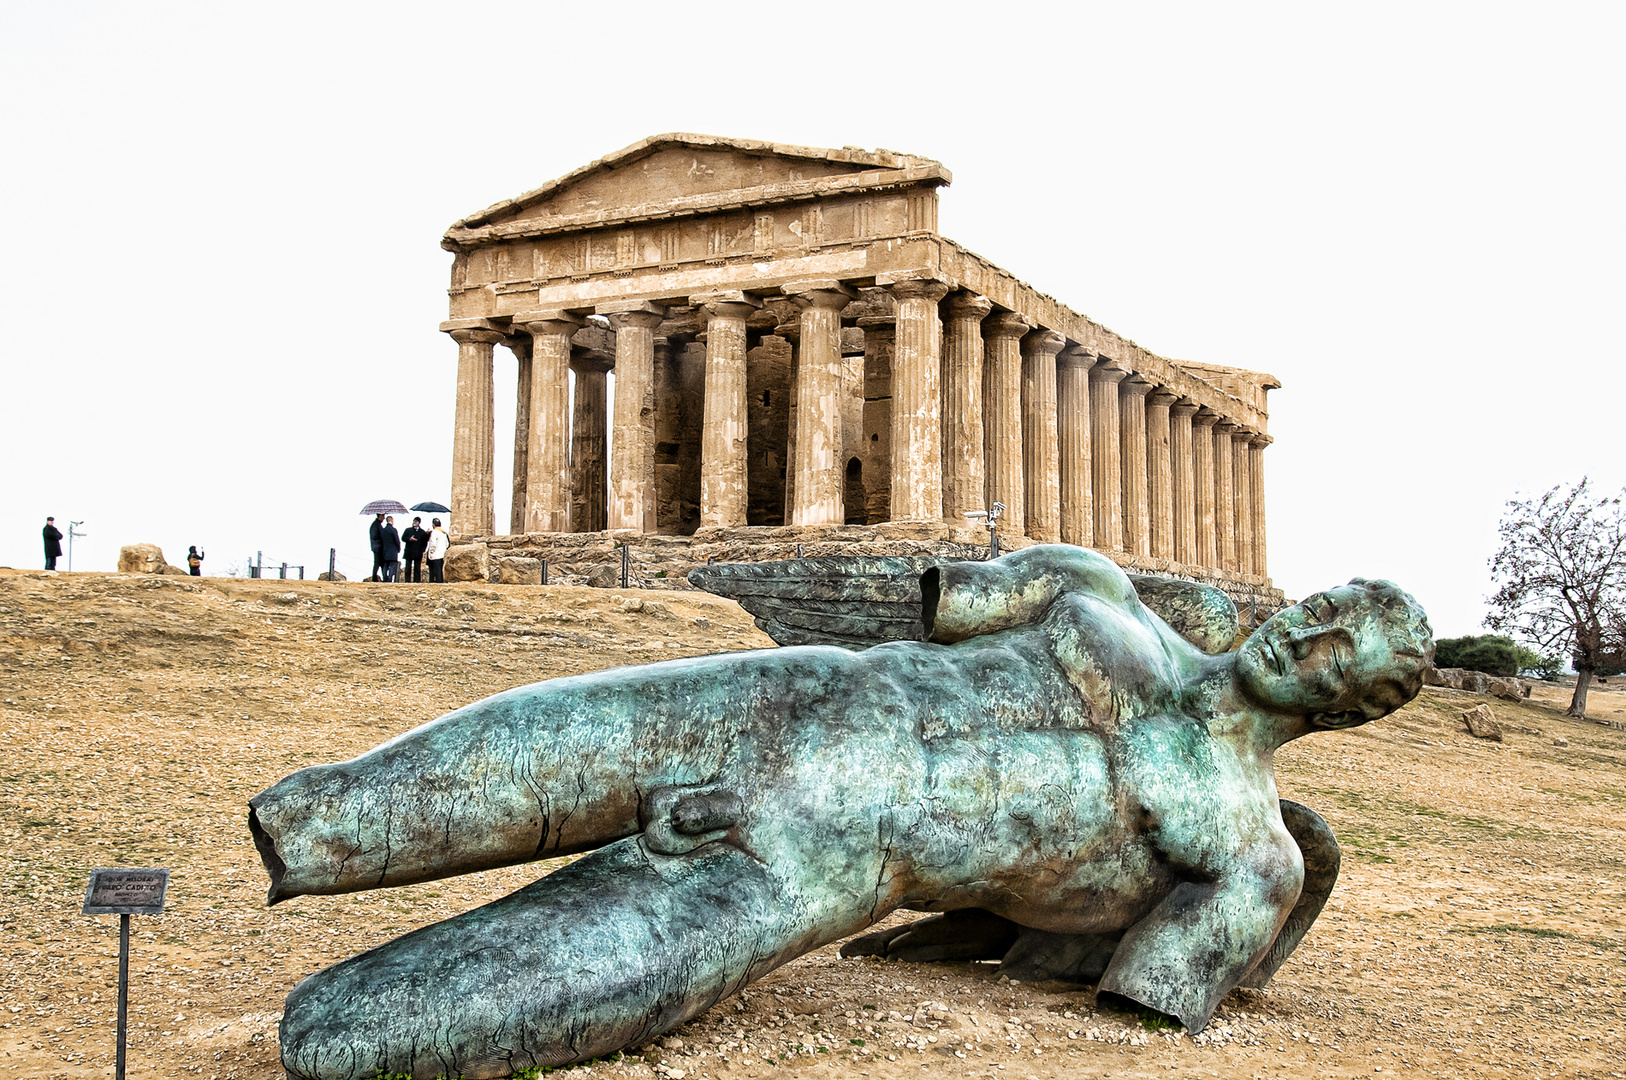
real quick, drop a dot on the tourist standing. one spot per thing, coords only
(389, 548)
(413, 543)
(375, 533)
(436, 552)
(194, 560)
(53, 543)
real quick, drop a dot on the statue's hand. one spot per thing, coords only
(971, 934)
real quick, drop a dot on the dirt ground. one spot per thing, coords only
(1476, 929)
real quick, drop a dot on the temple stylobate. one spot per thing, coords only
(792, 343)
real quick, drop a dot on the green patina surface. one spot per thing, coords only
(1090, 792)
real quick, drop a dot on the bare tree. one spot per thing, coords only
(1561, 578)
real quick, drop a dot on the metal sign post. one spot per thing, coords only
(124, 893)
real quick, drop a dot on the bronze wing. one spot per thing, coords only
(863, 600)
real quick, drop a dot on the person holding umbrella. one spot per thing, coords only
(375, 535)
(414, 541)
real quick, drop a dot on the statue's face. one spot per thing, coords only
(1327, 659)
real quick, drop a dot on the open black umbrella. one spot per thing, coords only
(432, 508)
(383, 506)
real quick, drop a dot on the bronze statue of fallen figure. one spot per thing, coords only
(1079, 789)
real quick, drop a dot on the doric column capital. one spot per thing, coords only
(1162, 397)
(1184, 407)
(549, 321)
(884, 325)
(1259, 442)
(1077, 356)
(1042, 343)
(1107, 371)
(1005, 324)
(1225, 427)
(627, 313)
(1136, 386)
(921, 290)
(591, 361)
(1205, 417)
(825, 293)
(968, 305)
(727, 304)
(469, 335)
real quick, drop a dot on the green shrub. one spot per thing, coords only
(1494, 655)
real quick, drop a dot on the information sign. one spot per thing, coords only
(126, 892)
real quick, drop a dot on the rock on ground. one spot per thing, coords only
(142, 559)
(468, 562)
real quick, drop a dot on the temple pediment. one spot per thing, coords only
(681, 174)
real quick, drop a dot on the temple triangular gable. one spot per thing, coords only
(690, 169)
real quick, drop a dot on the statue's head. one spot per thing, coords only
(1341, 657)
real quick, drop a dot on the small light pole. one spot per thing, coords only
(992, 519)
(71, 535)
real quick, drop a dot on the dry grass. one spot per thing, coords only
(1477, 926)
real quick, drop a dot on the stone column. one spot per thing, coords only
(964, 483)
(1073, 444)
(818, 465)
(1202, 441)
(632, 454)
(917, 431)
(1224, 497)
(588, 506)
(791, 334)
(723, 428)
(473, 447)
(1137, 509)
(547, 479)
(1160, 472)
(1256, 456)
(1002, 415)
(520, 346)
(1041, 463)
(1107, 482)
(879, 339)
(1184, 479)
(1242, 494)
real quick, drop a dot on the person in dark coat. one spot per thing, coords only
(389, 549)
(194, 561)
(375, 533)
(53, 543)
(414, 541)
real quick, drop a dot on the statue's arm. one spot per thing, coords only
(1205, 936)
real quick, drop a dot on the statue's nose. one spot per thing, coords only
(1302, 641)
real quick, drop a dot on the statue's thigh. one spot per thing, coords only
(600, 955)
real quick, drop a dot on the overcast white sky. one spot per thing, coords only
(222, 275)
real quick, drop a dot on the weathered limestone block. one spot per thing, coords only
(604, 577)
(180, 571)
(141, 559)
(333, 576)
(468, 562)
(1481, 724)
(1508, 689)
(516, 570)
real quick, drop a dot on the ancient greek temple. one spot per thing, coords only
(792, 343)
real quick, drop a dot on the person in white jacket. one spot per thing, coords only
(435, 553)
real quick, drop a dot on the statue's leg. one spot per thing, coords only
(1204, 936)
(1321, 861)
(602, 954)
